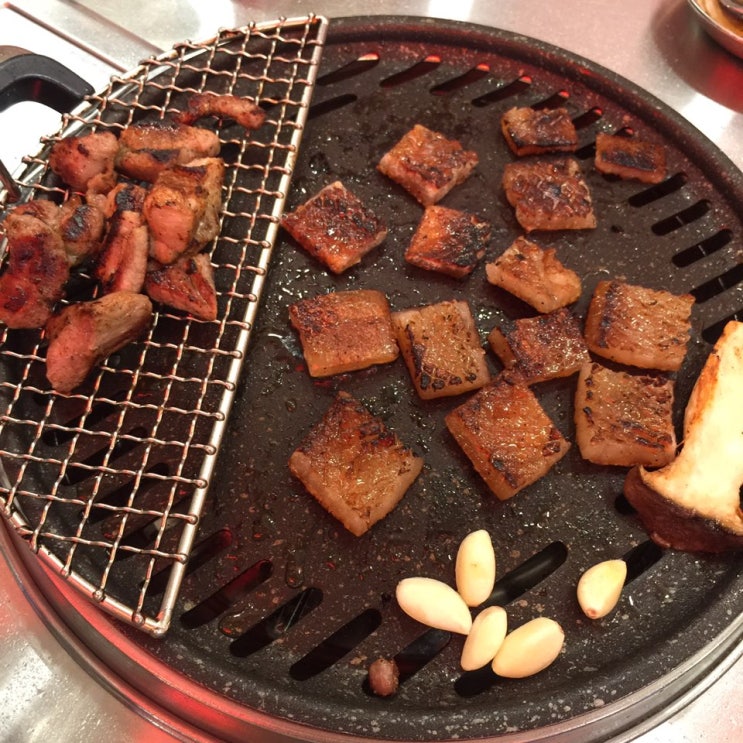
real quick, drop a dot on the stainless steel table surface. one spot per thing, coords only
(657, 44)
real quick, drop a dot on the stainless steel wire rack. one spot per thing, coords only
(107, 484)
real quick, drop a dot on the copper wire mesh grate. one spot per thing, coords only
(107, 484)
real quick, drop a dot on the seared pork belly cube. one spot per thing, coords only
(427, 164)
(344, 331)
(549, 195)
(335, 227)
(630, 158)
(79, 160)
(634, 325)
(507, 435)
(354, 466)
(624, 419)
(242, 110)
(441, 348)
(535, 275)
(530, 131)
(448, 241)
(543, 347)
(187, 285)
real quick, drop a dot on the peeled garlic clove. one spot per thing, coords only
(434, 603)
(475, 568)
(485, 638)
(529, 649)
(600, 587)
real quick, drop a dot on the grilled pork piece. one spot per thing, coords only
(448, 241)
(638, 326)
(507, 436)
(35, 274)
(146, 149)
(441, 349)
(344, 331)
(624, 419)
(534, 275)
(530, 131)
(187, 285)
(122, 263)
(80, 160)
(335, 227)
(427, 164)
(354, 466)
(182, 208)
(244, 111)
(630, 158)
(549, 195)
(124, 197)
(84, 334)
(543, 347)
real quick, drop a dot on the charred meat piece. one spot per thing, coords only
(448, 241)
(84, 334)
(244, 111)
(507, 436)
(427, 164)
(335, 227)
(634, 325)
(624, 419)
(534, 275)
(441, 348)
(79, 160)
(124, 197)
(543, 347)
(630, 158)
(355, 467)
(187, 285)
(549, 195)
(122, 263)
(530, 131)
(81, 227)
(147, 149)
(35, 273)
(344, 331)
(182, 209)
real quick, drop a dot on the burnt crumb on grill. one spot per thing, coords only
(630, 158)
(335, 227)
(384, 677)
(427, 164)
(448, 241)
(530, 131)
(244, 111)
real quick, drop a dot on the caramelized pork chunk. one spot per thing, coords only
(642, 327)
(441, 348)
(187, 285)
(147, 149)
(81, 227)
(549, 195)
(543, 347)
(79, 160)
(507, 436)
(427, 164)
(344, 331)
(122, 262)
(243, 111)
(182, 209)
(535, 275)
(335, 227)
(355, 467)
(624, 419)
(448, 241)
(630, 158)
(530, 131)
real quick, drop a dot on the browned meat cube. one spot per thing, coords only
(549, 195)
(448, 241)
(354, 466)
(624, 419)
(79, 160)
(534, 275)
(335, 227)
(630, 158)
(244, 111)
(530, 131)
(81, 227)
(187, 284)
(542, 347)
(344, 331)
(441, 348)
(507, 436)
(634, 325)
(427, 164)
